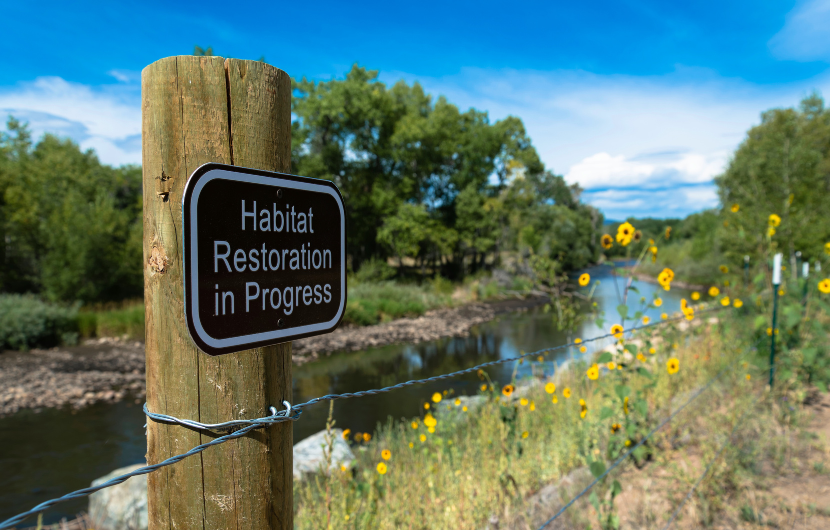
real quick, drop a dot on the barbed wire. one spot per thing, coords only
(292, 413)
(665, 421)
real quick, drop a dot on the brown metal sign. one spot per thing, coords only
(264, 259)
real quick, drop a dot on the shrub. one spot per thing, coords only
(374, 270)
(27, 322)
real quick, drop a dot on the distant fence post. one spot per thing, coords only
(776, 282)
(197, 110)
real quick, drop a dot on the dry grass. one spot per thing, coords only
(478, 468)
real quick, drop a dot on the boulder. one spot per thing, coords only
(121, 507)
(309, 456)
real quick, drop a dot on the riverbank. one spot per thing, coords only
(109, 370)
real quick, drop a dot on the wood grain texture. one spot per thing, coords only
(197, 110)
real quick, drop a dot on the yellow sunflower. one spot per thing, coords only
(625, 232)
(695, 296)
(724, 301)
(774, 220)
(646, 320)
(770, 231)
(827, 248)
(436, 397)
(735, 208)
(386, 454)
(724, 269)
(584, 279)
(567, 393)
(714, 291)
(382, 468)
(593, 373)
(672, 365)
(617, 331)
(737, 303)
(508, 390)
(658, 302)
(824, 286)
(607, 241)
(550, 388)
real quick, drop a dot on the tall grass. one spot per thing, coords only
(373, 302)
(117, 320)
(486, 460)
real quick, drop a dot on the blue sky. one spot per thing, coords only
(641, 103)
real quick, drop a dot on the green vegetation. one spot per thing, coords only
(113, 320)
(70, 226)
(425, 181)
(370, 303)
(27, 322)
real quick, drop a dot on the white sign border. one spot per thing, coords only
(275, 336)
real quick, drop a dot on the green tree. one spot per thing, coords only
(782, 168)
(72, 225)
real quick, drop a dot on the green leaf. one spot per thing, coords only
(634, 288)
(632, 348)
(645, 373)
(597, 468)
(616, 488)
(594, 500)
(622, 391)
(630, 430)
(760, 321)
(641, 406)
(606, 413)
(638, 315)
(622, 309)
(604, 358)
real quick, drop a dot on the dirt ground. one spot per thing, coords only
(792, 493)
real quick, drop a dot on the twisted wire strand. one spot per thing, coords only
(8, 523)
(292, 413)
(708, 467)
(671, 416)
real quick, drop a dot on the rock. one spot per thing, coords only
(309, 456)
(121, 507)
(124, 507)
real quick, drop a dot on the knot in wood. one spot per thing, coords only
(158, 260)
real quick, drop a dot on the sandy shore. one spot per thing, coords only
(108, 370)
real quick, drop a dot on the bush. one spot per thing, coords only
(27, 322)
(374, 270)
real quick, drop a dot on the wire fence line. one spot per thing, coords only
(659, 426)
(292, 413)
(711, 463)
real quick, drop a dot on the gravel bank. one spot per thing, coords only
(110, 370)
(103, 370)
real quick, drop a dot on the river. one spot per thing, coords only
(46, 455)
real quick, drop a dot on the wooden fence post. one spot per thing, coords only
(197, 110)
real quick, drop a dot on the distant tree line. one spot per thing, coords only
(421, 179)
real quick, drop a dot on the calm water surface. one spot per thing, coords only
(46, 455)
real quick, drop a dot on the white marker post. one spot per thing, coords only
(776, 281)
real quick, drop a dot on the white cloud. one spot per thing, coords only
(622, 132)
(106, 118)
(805, 35)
